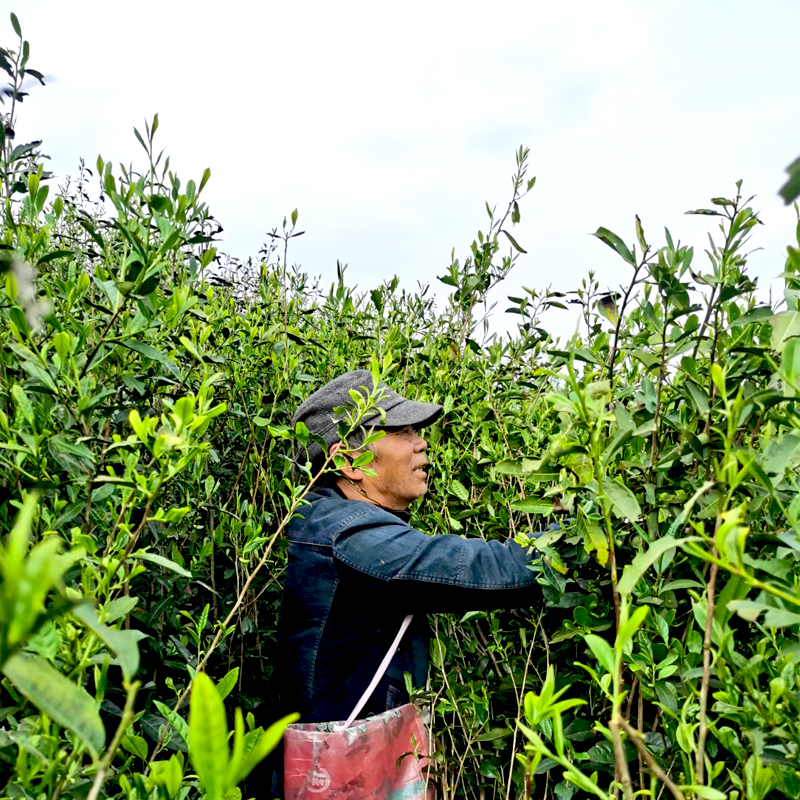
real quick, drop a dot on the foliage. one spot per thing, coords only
(148, 467)
(790, 190)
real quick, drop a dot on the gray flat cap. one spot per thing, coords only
(317, 411)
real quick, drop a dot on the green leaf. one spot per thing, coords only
(53, 255)
(785, 326)
(23, 403)
(28, 589)
(154, 355)
(780, 617)
(60, 443)
(757, 314)
(640, 234)
(681, 583)
(790, 190)
(601, 650)
(532, 506)
(168, 774)
(204, 179)
(119, 608)
(706, 792)
(750, 610)
(154, 558)
(125, 644)
(66, 703)
(265, 745)
(615, 243)
(523, 467)
(790, 361)
(636, 569)
(595, 539)
(226, 684)
(624, 503)
(191, 348)
(46, 641)
(135, 745)
(779, 453)
(208, 736)
(17, 545)
(700, 400)
(362, 460)
(178, 723)
(514, 242)
(459, 490)
(628, 630)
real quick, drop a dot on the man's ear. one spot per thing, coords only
(353, 475)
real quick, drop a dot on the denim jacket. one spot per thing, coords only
(355, 570)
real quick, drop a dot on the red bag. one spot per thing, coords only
(375, 759)
(380, 758)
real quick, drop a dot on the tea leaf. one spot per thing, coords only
(615, 243)
(208, 736)
(265, 744)
(624, 503)
(63, 701)
(124, 643)
(602, 651)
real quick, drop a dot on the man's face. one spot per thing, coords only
(400, 463)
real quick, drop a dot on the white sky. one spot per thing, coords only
(389, 124)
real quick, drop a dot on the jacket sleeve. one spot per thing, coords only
(377, 552)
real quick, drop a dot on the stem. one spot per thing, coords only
(12, 122)
(134, 538)
(711, 382)
(662, 373)
(703, 730)
(713, 559)
(520, 698)
(102, 338)
(612, 556)
(636, 737)
(620, 317)
(105, 763)
(640, 730)
(622, 773)
(285, 301)
(712, 298)
(222, 627)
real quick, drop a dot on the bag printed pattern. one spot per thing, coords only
(380, 758)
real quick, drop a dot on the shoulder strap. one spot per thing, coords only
(379, 673)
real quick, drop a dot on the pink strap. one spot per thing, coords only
(379, 674)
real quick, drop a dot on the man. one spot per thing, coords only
(356, 566)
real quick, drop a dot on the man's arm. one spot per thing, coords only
(379, 553)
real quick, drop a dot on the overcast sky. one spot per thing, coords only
(389, 124)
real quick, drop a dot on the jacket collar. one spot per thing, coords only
(403, 515)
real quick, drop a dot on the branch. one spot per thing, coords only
(703, 730)
(653, 765)
(105, 763)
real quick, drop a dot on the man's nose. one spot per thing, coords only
(422, 445)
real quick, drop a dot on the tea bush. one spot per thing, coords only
(148, 467)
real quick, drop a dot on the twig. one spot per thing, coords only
(620, 316)
(620, 764)
(520, 697)
(105, 763)
(222, 627)
(703, 729)
(635, 737)
(640, 728)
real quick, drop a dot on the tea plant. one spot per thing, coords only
(149, 466)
